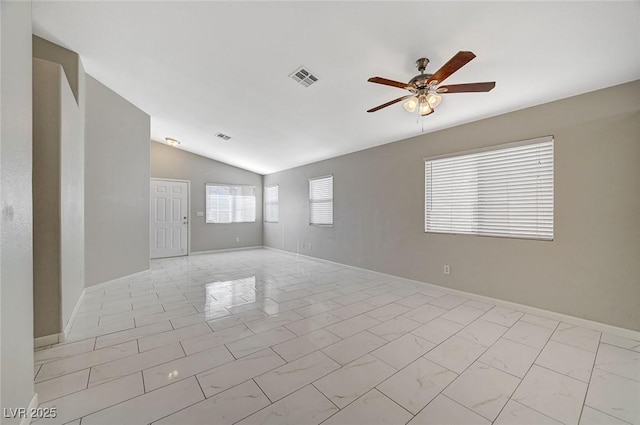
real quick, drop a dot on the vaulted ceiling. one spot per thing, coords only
(202, 68)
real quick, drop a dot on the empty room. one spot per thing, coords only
(320, 212)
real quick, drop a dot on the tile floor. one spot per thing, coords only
(262, 337)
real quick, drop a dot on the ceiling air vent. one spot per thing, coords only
(223, 136)
(303, 76)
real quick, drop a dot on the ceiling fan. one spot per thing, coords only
(426, 89)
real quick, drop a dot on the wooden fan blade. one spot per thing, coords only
(467, 88)
(454, 64)
(384, 105)
(386, 82)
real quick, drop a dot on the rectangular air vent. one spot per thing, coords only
(303, 76)
(223, 136)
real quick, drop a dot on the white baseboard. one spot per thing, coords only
(41, 341)
(577, 321)
(32, 405)
(216, 251)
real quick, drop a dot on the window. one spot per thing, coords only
(504, 191)
(321, 201)
(271, 204)
(230, 204)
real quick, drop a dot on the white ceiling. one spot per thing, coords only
(199, 68)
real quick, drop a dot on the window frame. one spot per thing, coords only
(311, 201)
(276, 203)
(231, 208)
(503, 146)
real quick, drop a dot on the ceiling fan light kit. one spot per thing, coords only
(426, 92)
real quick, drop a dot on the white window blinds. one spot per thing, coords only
(230, 204)
(321, 201)
(271, 204)
(505, 191)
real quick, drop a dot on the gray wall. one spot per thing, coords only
(116, 170)
(58, 201)
(172, 163)
(47, 84)
(70, 61)
(16, 267)
(590, 270)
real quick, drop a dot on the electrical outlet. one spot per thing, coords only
(446, 269)
(303, 245)
(310, 246)
(237, 239)
(200, 214)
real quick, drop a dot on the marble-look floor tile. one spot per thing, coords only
(448, 301)
(437, 330)
(351, 310)
(584, 338)
(619, 361)
(394, 328)
(317, 308)
(568, 360)
(462, 314)
(502, 316)
(192, 319)
(456, 353)
(210, 340)
(306, 406)
(60, 351)
(424, 313)
(223, 377)
(615, 396)
(165, 338)
(483, 389)
(274, 321)
(415, 300)
(352, 326)
(149, 407)
(592, 416)
(552, 394)
(313, 323)
(540, 321)
(225, 408)
(62, 386)
(373, 408)
(257, 342)
(85, 402)
(383, 299)
(515, 413)
(294, 375)
(131, 334)
(92, 332)
(482, 332)
(387, 312)
(353, 380)
(417, 384)
(119, 368)
(511, 357)
(236, 319)
(629, 344)
(148, 319)
(305, 344)
(402, 351)
(83, 361)
(349, 349)
(444, 411)
(183, 367)
(526, 333)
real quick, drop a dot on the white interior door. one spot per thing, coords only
(169, 208)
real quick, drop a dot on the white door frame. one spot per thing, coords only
(188, 182)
